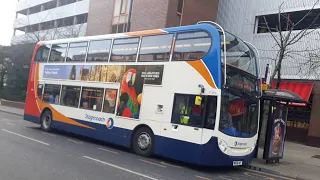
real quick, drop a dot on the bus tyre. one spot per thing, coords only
(46, 120)
(143, 142)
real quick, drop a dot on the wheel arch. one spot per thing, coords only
(136, 129)
(44, 110)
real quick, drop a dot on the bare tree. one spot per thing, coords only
(289, 37)
(47, 29)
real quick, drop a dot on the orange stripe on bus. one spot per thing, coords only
(201, 68)
(147, 32)
(57, 116)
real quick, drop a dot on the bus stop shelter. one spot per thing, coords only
(273, 122)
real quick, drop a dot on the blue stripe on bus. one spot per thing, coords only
(213, 59)
(207, 154)
(30, 118)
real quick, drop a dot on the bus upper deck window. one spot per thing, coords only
(77, 51)
(42, 53)
(99, 50)
(125, 50)
(156, 48)
(191, 46)
(58, 52)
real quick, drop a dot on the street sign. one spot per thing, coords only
(268, 74)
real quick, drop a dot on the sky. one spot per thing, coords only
(7, 16)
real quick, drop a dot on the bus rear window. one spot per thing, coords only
(99, 50)
(191, 46)
(77, 51)
(58, 52)
(156, 48)
(125, 50)
(42, 53)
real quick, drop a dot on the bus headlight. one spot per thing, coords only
(222, 145)
(252, 148)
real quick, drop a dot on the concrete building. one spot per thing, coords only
(245, 19)
(49, 19)
(111, 16)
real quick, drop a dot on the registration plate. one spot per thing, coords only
(237, 163)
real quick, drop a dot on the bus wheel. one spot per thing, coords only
(143, 142)
(46, 120)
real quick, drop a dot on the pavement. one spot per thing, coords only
(30, 154)
(299, 162)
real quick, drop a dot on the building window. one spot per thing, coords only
(33, 28)
(70, 96)
(99, 50)
(51, 93)
(59, 23)
(156, 48)
(120, 16)
(68, 21)
(66, 2)
(125, 50)
(81, 19)
(298, 20)
(123, 7)
(50, 5)
(191, 46)
(119, 28)
(77, 51)
(35, 9)
(180, 12)
(47, 25)
(91, 98)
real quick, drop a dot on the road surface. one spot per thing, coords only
(27, 153)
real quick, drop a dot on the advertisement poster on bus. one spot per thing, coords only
(132, 78)
(276, 131)
(132, 85)
(150, 74)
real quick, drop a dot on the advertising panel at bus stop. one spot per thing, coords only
(276, 132)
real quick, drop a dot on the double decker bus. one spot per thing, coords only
(187, 93)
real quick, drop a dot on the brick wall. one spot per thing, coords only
(149, 14)
(12, 104)
(314, 132)
(194, 11)
(100, 17)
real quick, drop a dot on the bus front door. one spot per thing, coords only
(186, 127)
(39, 94)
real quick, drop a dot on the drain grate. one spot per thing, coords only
(316, 156)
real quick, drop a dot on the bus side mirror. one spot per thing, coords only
(198, 101)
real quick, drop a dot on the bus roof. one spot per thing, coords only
(131, 34)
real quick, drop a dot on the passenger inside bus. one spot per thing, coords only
(85, 105)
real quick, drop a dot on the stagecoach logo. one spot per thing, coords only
(236, 143)
(109, 123)
(94, 118)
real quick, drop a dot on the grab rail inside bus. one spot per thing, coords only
(224, 48)
(258, 62)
